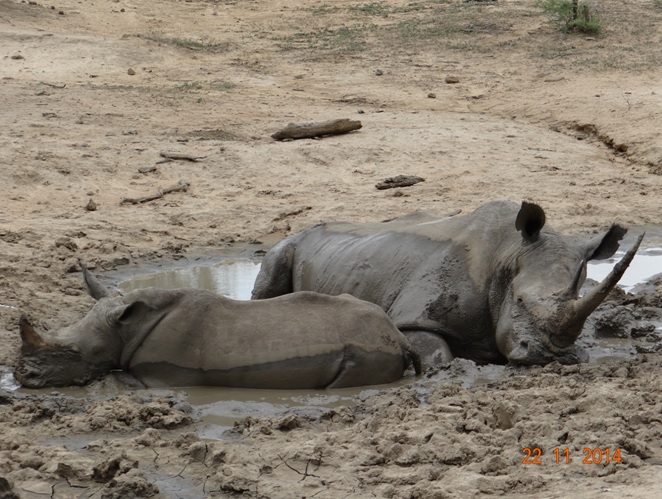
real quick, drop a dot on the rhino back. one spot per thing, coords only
(340, 257)
(428, 272)
(294, 341)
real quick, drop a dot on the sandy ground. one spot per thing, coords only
(91, 92)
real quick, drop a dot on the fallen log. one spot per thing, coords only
(399, 181)
(182, 185)
(319, 129)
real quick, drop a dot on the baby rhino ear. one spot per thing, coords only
(132, 313)
(30, 337)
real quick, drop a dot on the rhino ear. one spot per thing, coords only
(133, 312)
(29, 336)
(530, 220)
(604, 246)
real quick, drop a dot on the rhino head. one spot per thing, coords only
(542, 315)
(77, 354)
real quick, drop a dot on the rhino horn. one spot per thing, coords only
(94, 287)
(582, 307)
(29, 336)
(572, 293)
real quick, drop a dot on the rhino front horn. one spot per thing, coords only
(582, 307)
(29, 336)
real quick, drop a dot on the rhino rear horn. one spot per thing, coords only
(29, 336)
(94, 287)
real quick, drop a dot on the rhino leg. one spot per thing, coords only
(275, 276)
(359, 367)
(432, 348)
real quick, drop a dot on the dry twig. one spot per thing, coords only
(53, 84)
(182, 185)
(180, 155)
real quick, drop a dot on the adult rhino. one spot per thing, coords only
(190, 337)
(492, 286)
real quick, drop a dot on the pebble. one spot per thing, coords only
(91, 205)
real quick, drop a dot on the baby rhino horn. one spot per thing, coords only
(29, 336)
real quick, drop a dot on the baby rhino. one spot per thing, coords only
(188, 337)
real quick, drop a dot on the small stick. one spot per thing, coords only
(310, 130)
(54, 85)
(182, 185)
(179, 155)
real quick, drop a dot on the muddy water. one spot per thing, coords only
(218, 407)
(232, 277)
(645, 264)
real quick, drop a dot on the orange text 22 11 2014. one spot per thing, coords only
(595, 455)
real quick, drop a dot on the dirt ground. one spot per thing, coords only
(484, 100)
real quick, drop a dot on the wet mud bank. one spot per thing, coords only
(505, 427)
(415, 437)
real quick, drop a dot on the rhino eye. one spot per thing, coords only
(519, 299)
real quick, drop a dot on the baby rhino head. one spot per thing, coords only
(74, 355)
(44, 363)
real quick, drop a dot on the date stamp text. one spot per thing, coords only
(595, 455)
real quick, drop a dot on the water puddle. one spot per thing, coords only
(646, 263)
(466, 373)
(220, 408)
(608, 349)
(232, 277)
(7, 380)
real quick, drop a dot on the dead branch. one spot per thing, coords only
(310, 130)
(53, 84)
(182, 185)
(399, 181)
(182, 156)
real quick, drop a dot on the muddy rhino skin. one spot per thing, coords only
(495, 285)
(188, 337)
